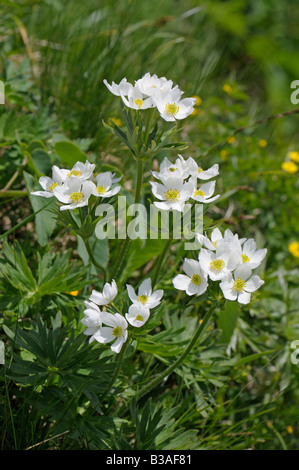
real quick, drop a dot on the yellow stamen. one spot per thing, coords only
(172, 169)
(76, 196)
(196, 279)
(217, 265)
(142, 299)
(138, 102)
(172, 194)
(52, 186)
(101, 189)
(139, 318)
(245, 258)
(74, 173)
(239, 284)
(171, 109)
(199, 170)
(199, 192)
(117, 331)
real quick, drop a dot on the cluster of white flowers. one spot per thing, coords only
(151, 91)
(74, 187)
(116, 324)
(227, 259)
(179, 183)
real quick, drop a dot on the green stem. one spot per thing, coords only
(154, 382)
(115, 375)
(126, 243)
(93, 260)
(159, 261)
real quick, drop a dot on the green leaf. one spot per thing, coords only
(227, 320)
(69, 153)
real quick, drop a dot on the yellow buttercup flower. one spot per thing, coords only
(223, 155)
(290, 167)
(289, 428)
(263, 143)
(231, 140)
(294, 249)
(74, 293)
(227, 88)
(194, 112)
(294, 156)
(198, 100)
(116, 121)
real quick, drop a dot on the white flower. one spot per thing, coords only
(119, 90)
(92, 319)
(240, 284)
(151, 85)
(137, 100)
(216, 240)
(217, 265)
(204, 193)
(203, 174)
(145, 296)
(250, 255)
(48, 184)
(103, 183)
(116, 331)
(173, 191)
(195, 280)
(137, 315)
(171, 107)
(74, 193)
(107, 296)
(180, 167)
(83, 171)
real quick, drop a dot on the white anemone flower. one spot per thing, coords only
(116, 331)
(103, 183)
(250, 255)
(217, 239)
(48, 184)
(203, 174)
(194, 282)
(83, 171)
(205, 192)
(107, 296)
(137, 100)
(137, 315)
(151, 85)
(173, 192)
(145, 296)
(172, 107)
(219, 264)
(74, 193)
(92, 320)
(180, 167)
(240, 284)
(119, 90)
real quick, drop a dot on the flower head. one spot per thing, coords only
(145, 296)
(92, 319)
(116, 331)
(171, 107)
(194, 282)
(240, 284)
(74, 193)
(173, 192)
(103, 183)
(137, 315)
(107, 296)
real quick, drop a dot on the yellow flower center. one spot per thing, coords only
(199, 170)
(138, 102)
(239, 285)
(101, 189)
(196, 279)
(76, 196)
(117, 331)
(74, 173)
(172, 169)
(215, 243)
(52, 186)
(245, 258)
(172, 194)
(199, 192)
(139, 317)
(217, 265)
(171, 109)
(142, 299)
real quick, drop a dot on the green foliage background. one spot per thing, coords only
(238, 388)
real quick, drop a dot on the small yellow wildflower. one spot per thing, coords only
(116, 121)
(290, 167)
(223, 155)
(263, 143)
(231, 140)
(294, 249)
(289, 429)
(227, 88)
(198, 100)
(194, 112)
(74, 293)
(294, 156)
